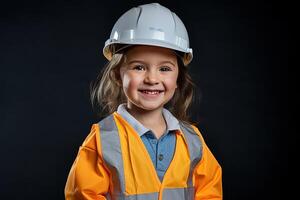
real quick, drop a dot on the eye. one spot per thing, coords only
(138, 67)
(165, 68)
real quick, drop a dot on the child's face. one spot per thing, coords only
(149, 77)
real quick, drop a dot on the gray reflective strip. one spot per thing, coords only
(107, 196)
(195, 149)
(112, 155)
(111, 151)
(179, 194)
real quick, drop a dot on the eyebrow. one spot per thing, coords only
(163, 62)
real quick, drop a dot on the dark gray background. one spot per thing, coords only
(51, 51)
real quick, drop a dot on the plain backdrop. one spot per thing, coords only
(52, 50)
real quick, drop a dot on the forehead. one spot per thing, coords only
(150, 53)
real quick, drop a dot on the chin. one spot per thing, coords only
(150, 107)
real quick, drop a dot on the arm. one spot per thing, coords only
(88, 178)
(207, 176)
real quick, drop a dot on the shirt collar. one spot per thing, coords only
(172, 122)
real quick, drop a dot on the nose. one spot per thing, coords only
(151, 77)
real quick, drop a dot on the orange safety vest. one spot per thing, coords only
(125, 171)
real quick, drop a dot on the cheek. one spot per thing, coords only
(130, 81)
(171, 82)
(125, 81)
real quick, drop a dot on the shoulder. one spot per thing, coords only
(91, 142)
(194, 129)
(93, 139)
(190, 127)
(199, 134)
(110, 123)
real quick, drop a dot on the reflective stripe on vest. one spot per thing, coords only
(179, 193)
(112, 156)
(150, 196)
(111, 151)
(195, 149)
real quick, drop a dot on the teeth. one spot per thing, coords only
(150, 92)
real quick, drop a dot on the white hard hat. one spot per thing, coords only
(149, 24)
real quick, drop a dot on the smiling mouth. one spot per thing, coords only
(151, 92)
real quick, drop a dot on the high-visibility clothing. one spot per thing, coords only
(113, 163)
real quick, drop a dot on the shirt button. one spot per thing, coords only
(160, 157)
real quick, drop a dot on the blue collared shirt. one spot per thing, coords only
(160, 150)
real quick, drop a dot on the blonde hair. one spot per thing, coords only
(107, 92)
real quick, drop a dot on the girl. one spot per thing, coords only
(142, 150)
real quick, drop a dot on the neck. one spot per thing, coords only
(151, 119)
